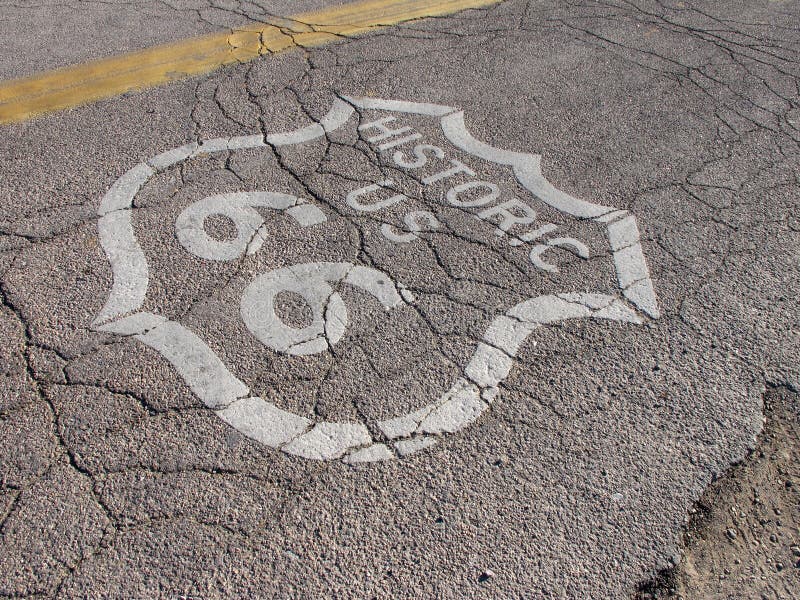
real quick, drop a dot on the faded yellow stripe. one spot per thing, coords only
(21, 99)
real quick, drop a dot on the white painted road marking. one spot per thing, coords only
(312, 282)
(239, 207)
(472, 393)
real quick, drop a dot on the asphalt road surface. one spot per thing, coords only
(472, 306)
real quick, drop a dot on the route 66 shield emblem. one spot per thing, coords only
(435, 214)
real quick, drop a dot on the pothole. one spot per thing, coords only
(743, 538)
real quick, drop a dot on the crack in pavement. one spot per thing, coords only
(742, 111)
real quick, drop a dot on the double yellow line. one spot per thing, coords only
(21, 99)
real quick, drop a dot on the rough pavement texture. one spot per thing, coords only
(116, 480)
(743, 539)
(48, 35)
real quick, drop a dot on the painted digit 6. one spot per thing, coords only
(312, 282)
(239, 207)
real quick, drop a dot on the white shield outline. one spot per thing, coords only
(468, 397)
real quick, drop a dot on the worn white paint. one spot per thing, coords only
(133, 324)
(162, 162)
(338, 115)
(578, 247)
(239, 207)
(401, 106)
(354, 198)
(329, 440)
(120, 195)
(632, 272)
(406, 447)
(373, 453)
(469, 396)
(227, 144)
(199, 366)
(313, 282)
(128, 265)
(264, 422)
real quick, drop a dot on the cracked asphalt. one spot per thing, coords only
(118, 26)
(475, 306)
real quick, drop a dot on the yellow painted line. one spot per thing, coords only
(21, 99)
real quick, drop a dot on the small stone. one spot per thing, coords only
(779, 566)
(486, 575)
(773, 538)
(731, 534)
(796, 550)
